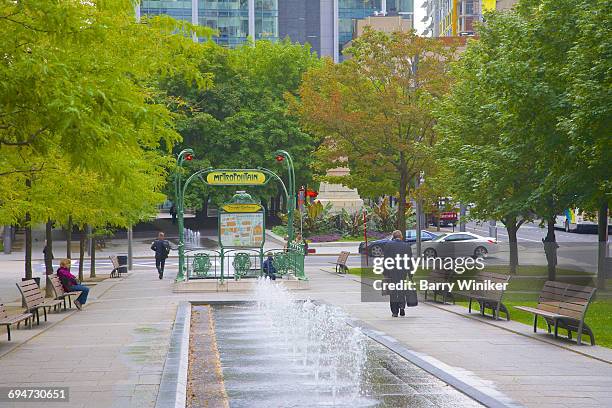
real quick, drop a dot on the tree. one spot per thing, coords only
(588, 73)
(528, 124)
(476, 133)
(78, 109)
(373, 111)
(241, 120)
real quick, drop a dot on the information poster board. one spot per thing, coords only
(241, 229)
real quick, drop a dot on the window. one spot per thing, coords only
(459, 237)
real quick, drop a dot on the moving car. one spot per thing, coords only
(375, 248)
(458, 244)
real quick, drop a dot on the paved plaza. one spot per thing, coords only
(112, 354)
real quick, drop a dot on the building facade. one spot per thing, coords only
(449, 18)
(327, 25)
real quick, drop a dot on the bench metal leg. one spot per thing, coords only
(535, 323)
(8, 331)
(470, 306)
(45, 312)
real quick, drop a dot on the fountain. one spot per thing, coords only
(282, 352)
(192, 238)
(298, 348)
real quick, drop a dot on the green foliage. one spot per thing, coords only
(242, 119)
(373, 111)
(383, 215)
(80, 117)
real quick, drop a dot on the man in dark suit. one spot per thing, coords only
(162, 250)
(397, 246)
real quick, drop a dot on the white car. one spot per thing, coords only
(459, 244)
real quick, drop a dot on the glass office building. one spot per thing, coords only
(351, 10)
(229, 17)
(327, 24)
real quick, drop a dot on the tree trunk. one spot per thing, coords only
(82, 242)
(550, 248)
(7, 239)
(69, 238)
(28, 246)
(512, 228)
(48, 257)
(401, 208)
(92, 257)
(602, 251)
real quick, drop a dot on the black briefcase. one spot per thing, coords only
(411, 298)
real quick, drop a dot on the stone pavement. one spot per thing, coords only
(112, 354)
(489, 357)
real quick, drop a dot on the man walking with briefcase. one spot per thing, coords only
(399, 298)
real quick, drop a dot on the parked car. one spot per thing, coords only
(375, 248)
(459, 244)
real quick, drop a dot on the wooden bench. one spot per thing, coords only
(341, 262)
(488, 298)
(563, 305)
(440, 276)
(60, 293)
(35, 300)
(6, 320)
(116, 272)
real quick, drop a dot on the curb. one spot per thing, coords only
(419, 360)
(173, 387)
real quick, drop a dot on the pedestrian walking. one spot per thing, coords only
(162, 249)
(397, 297)
(71, 284)
(173, 213)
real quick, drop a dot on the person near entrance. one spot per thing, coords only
(162, 249)
(397, 297)
(269, 269)
(173, 213)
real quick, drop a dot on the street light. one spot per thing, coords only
(186, 154)
(282, 155)
(419, 224)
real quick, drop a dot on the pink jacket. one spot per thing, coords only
(68, 280)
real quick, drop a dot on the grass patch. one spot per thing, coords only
(524, 289)
(351, 239)
(280, 230)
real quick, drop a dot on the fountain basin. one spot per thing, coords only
(277, 352)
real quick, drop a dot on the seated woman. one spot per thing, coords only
(269, 269)
(71, 284)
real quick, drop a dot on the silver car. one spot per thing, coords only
(459, 244)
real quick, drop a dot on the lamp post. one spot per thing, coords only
(420, 179)
(282, 155)
(185, 154)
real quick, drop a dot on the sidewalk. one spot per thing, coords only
(527, 370)
(112, 354)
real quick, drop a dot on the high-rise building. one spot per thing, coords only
(235, 20)
(449, 18)
(327, 25)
